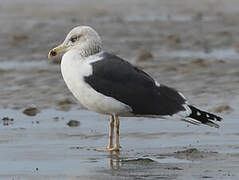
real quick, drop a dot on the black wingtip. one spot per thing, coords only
(219, 118)
(204, 117)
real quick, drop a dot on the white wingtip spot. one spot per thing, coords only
(156, 83)
(207, 115)
(198, 113)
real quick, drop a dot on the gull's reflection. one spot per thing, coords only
(114, 159)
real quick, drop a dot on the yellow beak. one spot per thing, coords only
(56, 51)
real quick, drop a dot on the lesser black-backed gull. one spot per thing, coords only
(107, 84)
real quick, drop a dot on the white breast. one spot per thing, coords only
(74, 68)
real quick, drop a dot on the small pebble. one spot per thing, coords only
(31, 111)
(7, 119)
(65, 102)
(73, 123)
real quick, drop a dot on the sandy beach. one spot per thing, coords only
(190, 45)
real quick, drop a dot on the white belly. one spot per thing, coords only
(73, 70)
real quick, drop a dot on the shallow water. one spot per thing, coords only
(45, 146)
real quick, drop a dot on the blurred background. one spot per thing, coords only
(190, 45)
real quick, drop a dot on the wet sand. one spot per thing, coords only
(192, 46)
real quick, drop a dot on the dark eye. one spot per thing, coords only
(73, 39)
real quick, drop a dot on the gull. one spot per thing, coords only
(107, 84)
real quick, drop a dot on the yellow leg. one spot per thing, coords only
(111, 132)
(113, 122)
(117, 124)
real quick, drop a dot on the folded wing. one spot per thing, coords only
(116, 78)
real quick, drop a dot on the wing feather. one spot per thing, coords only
(117, 78)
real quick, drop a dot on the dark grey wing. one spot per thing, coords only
(114, 77)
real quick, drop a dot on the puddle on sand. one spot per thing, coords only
(6, 65)
(44, 145)
(223, 54)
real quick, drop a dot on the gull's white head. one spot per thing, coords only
(84, 39)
